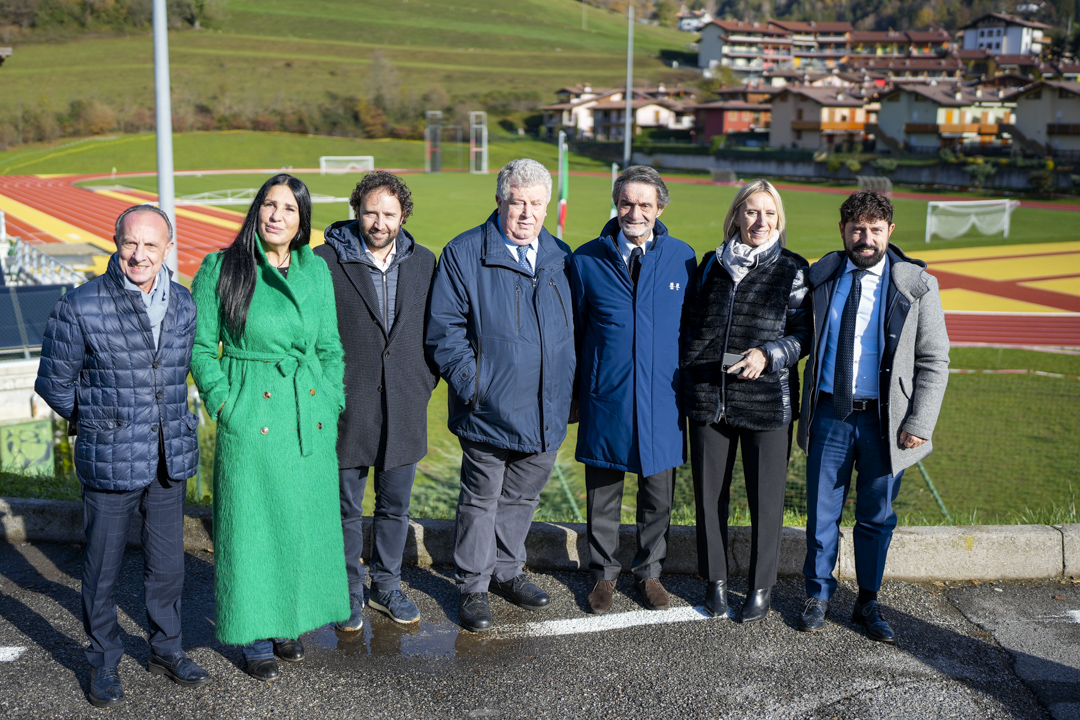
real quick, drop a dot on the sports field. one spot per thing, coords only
(997, 430)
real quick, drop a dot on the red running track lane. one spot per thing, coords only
(994, 329)
(97, 214)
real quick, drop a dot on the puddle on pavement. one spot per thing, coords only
(384, 637)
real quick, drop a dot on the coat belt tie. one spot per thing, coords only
(301, 365)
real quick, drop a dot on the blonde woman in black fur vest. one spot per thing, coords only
(748, 325)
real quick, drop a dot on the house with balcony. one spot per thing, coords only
(609, 116)
(818, 118)
(747, 48)
(911, 69)
(816, 45)
(693, 20)
(723, 117)
(573, 111)
(1048, 114)
(1001, 34)
(927, 118)
(898, 44)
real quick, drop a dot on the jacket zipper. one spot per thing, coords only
(517, 293)
(723, 374)
(385, 303)
(479, 352)
(561, 305)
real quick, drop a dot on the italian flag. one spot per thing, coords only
(564, 188)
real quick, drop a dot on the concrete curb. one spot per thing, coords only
(981, 552)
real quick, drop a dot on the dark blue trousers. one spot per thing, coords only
(106, 517)
(390, 528)
(835, 448)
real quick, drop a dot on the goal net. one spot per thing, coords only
(336, 164)
(954, 218)
(877, 183)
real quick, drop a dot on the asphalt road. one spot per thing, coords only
(994, 650)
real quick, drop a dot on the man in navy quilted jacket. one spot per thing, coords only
(114, 364)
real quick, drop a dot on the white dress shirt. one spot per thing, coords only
(867, 353)
(383, 266)
(530, 253)
(626, 246)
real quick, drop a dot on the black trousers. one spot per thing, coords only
(106, 517)
(765, 461)
(603, 498)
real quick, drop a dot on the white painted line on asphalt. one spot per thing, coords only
(11, 654)
(603, 623)
(1074, 615)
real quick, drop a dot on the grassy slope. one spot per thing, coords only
(287, 52)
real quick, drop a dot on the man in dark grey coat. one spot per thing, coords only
(382, 282)
(114, 363)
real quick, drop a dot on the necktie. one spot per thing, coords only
(845, 349)
(523, 259)
(635, 264)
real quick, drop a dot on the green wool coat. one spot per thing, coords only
(279, 557)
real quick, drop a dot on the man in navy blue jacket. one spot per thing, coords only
(502, 333)
(629, 286)
(114, 364)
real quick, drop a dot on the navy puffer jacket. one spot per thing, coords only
(100, 371)
(504, 340)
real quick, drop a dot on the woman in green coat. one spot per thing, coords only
(276, 392)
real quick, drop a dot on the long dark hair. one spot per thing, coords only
(236, 283)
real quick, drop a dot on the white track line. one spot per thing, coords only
(603, 623)
(11, 654)
(1074, 615)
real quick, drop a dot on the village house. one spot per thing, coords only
(1001, 34)
(573, 111)
(816, 45)
(819, 118)
(723, 117)
(693, 20)
(609, 116)
(1048, 113)
(926, 118)
(746, 48)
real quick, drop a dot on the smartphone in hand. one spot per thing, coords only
(731, 359)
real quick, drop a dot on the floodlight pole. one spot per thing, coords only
(166, 190)
(628, 121)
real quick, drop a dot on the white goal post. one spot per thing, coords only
(951, 219)
(336, 164)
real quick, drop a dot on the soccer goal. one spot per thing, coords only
(339, 164)
(877, 183)
(954, 218)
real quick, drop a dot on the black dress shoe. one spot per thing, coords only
(475, 612)
(813, 615)
(105, 690)
(289, 650)
(262, 669)
(179, 668)
(521, 592)
(869, 616)
(716, 598)
(756, 606)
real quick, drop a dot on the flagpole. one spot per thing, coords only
(564, 182)
(628, 122)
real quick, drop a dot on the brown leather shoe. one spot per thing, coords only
(601, 596)
(653, 594)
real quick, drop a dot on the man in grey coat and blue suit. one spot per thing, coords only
(874, 382)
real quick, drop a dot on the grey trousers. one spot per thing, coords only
(499, 493)
(603, 499)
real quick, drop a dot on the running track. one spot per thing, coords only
(95, 213)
